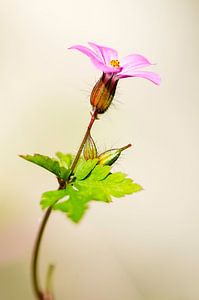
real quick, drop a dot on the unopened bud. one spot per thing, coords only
(110, 156)
(103, 92)
(90, 150)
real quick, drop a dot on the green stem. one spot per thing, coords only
(41, 295)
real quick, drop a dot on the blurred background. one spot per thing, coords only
(142, 247)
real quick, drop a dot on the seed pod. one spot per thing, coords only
(103, 92)
(110, 156)
(90, 150)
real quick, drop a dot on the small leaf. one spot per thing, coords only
(49, 164)
(84, 167)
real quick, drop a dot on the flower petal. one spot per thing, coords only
(91, 54)
(105, 53)
(134, 61)
(155, 78)
(96, 59)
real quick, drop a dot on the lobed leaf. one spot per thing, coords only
(90, 182)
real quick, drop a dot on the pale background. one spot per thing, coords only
(142, 247)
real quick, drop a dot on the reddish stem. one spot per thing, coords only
(35, 279)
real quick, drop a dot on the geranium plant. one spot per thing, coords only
(87, 176)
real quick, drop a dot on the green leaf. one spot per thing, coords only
(95, 190)
(75, 206)
(65, 160)
(84, 168)
(113, 185)
(50, 197)
(91, 182)
(116, 185)
(100, 172)
(49, 164)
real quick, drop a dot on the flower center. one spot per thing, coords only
(115, 63)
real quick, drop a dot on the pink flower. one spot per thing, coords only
(106, 59)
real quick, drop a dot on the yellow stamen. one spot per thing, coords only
(115, 63)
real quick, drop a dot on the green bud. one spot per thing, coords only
(110, 156)
(90, 150)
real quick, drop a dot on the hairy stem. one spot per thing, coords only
(40, 294)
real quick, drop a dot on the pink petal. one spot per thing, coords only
(96, 60)
(134, 61)
(155, 78)
(91, 54)
(105, 53)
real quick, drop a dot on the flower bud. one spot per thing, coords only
(103, 92)
(110, 156)
(90, 150)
